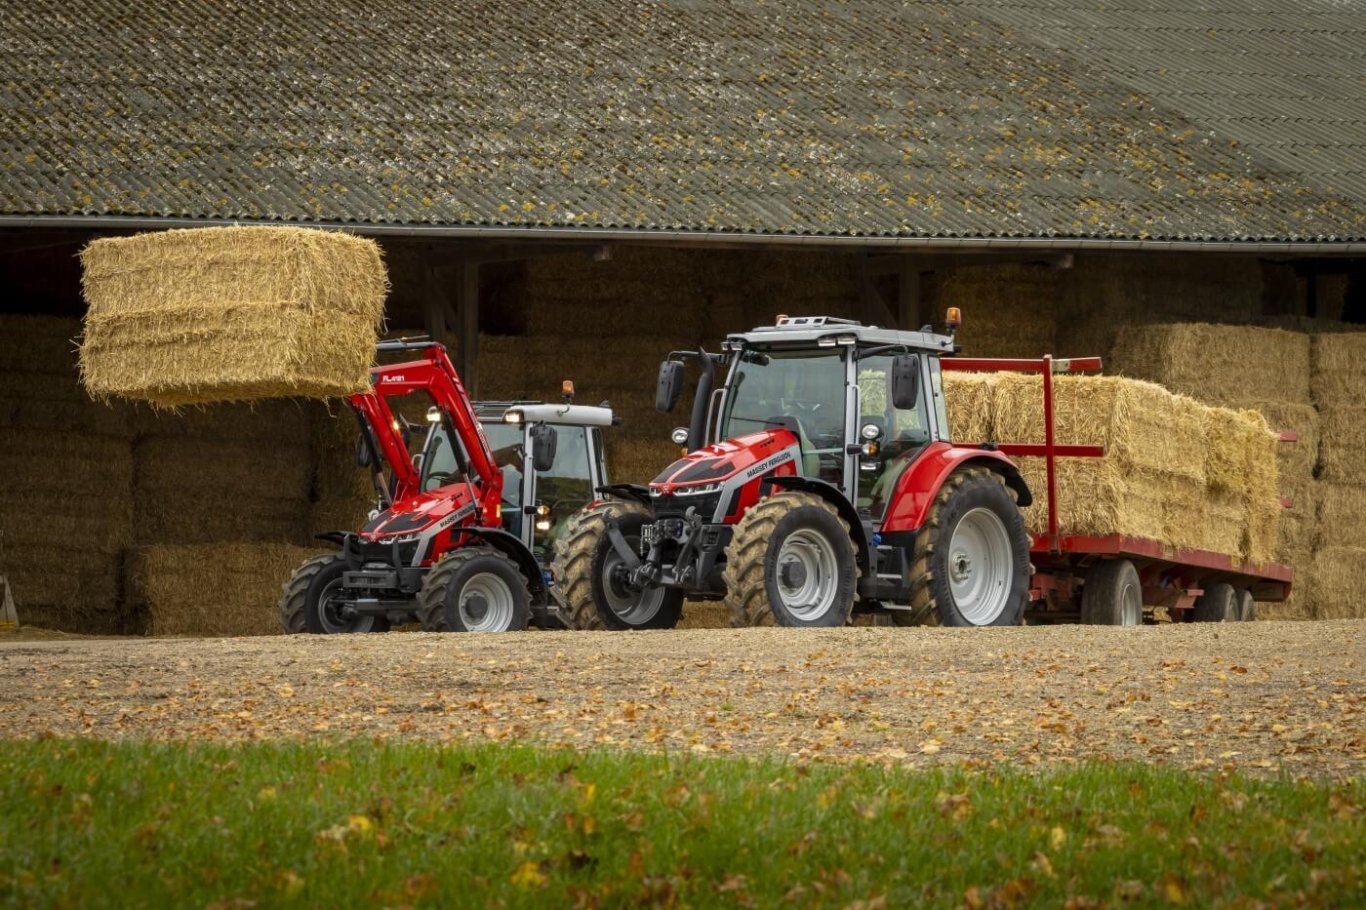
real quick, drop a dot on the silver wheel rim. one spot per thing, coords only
(980, 566)
(1130, 606)
(486, 604)
(330, 618)
(807, 575)
(633, 607)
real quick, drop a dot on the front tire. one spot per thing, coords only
(971, 565)
(475, 589)
(307, 600)
(1112, 595)
(791, 562)
(585, 567)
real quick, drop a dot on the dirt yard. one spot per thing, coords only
(1264, 697)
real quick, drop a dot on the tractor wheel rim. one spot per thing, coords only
(329, 611)
(1131, 606)
(807, 574)
(980, 566)
(632, 606)
(486, 604)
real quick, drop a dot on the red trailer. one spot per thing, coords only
(1116, 579)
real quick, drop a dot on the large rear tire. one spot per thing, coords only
(1219, 603)
(1112, 595)
(585, 568)
(791, 562)
(971, 565)
(307, 600)
(475, 589)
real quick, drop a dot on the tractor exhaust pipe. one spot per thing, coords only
(701, 403)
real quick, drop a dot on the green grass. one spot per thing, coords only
(87, 824)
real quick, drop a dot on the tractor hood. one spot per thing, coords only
(710, 467)
(422, 515)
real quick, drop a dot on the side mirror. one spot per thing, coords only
(670, 385)
(364, 457)
(905, 381)
(544, 440)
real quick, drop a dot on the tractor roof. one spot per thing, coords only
(575, 415)
(807, 331)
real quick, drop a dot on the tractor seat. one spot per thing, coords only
(811, 462)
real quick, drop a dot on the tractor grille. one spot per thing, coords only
(384, 553)
(677, 506)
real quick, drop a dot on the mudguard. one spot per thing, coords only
(517, 551)
(831, 494)
(919, 484)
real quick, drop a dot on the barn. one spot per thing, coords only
(571, 190)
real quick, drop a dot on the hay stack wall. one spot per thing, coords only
(220, 589)
(1010, 310)
(1338, 384)
(66, 509)
(230, 314)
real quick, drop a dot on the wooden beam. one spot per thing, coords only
(434, 304)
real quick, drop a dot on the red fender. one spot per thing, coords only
(919, 484)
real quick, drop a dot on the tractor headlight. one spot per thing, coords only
(679, 435)
(698, 491)
(512, 417)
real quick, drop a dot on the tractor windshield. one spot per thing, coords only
(803, 391)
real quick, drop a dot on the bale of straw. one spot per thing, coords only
(264, 424)
(1341, 517)
(1297, 459)
(55, 401)
(191, 490)
(970, 401)
(230, 314)
(71, 588)
(1339, 587)
(38, 344)
(638, 461)
(342, 494)
(1342, 439)
(1216, 362)
(222, 589)
(1339, 370)
(539, 363)
(704, 614)
(1261, 489)
(1009, 309)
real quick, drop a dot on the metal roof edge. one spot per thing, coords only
(703, 238)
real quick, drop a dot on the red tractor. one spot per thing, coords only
(833, 486)
(436, 550)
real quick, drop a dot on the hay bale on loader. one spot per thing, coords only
(219, 589)
(230, 314)
(1220, 363)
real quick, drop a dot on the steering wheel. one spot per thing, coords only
(803, 405)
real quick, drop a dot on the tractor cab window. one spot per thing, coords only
(506, 440)
(904, 432)
(564, 489)
(802, 391)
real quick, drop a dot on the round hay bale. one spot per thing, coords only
(230, 314)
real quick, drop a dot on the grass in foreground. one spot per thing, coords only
(96, 824)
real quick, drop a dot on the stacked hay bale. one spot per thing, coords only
(1262, 369)
(342, 494)
(1174, 470)
(218, 589)
(225, 315)
(66, 507)
(1338, 385)
(1009, 309)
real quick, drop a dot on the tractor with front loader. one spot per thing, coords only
(461, 537)
(831, 485)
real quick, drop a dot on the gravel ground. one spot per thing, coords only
(1264, 697)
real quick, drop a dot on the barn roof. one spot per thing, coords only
(1211, 120)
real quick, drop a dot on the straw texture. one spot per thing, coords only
(230, 314)
(1224, 363)
(1339, 371)
(1339, 590)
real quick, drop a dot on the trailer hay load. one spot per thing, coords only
(230, 314)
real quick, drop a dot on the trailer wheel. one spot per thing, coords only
(971, 564)
(1112, 595)
(474, 589)
(307, 600)
(585, 568)
(1247, 607)
(791, 562)
(1219, 603)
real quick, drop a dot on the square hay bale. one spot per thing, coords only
(632, 460)
(69, 467)
(265, 424)
(56, 401)
(1341, 517)
(1296, 460)
(222, 589)
(230, 314)
(342, 492)
(1339, 370)
(1339, 586)
(1216, 362)
(1009, 309)
(38, 344)
(1342, 439)
(191, 490)
(970, 401)
(68, 588)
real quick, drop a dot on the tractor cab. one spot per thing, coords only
(551, 457)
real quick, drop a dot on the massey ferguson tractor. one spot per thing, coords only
(460, 540)
(833, 486)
